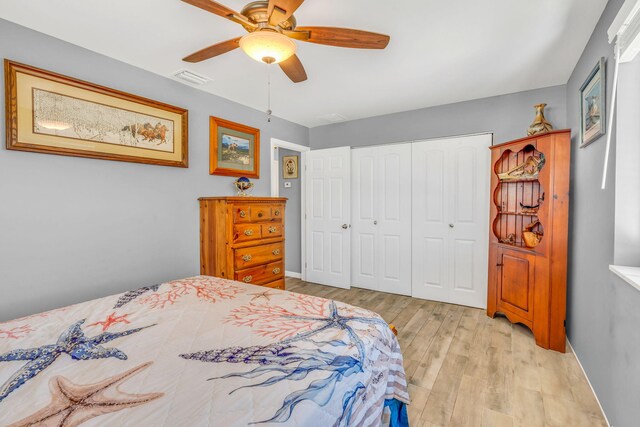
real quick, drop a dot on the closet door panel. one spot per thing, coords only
(394, 218)
(470, 175)
(430, 251)
(364, 265)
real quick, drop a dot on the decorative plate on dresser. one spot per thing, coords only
(242, 238)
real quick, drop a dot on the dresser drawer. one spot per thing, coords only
(260, 213)
(244, 232)
(278, 284)
(261, 274)
(277, 212)
(241, 213)
(256, 255)
(271, 230)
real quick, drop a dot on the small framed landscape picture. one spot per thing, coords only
(290, 167)
(234, 149)
(592, 105)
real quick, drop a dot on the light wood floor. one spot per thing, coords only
(466, 369)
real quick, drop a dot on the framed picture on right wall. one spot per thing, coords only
(592, 105)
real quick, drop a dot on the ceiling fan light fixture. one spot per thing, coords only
(268, 46)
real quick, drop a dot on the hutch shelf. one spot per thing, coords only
(528, 234)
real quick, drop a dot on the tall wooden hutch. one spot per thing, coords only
(528, 234)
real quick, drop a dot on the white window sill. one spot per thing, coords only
(631, 275)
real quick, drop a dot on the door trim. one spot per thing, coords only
(275, 189)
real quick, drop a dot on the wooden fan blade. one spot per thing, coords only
(221, 10)
(293, 68)
(280, 10)
(215, 50)
(345, 37)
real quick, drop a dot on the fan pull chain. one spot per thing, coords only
(269, 93)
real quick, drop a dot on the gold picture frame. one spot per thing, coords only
(234, 149)
(290, 167)
(56, 114)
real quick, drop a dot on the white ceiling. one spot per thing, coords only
(440, 51)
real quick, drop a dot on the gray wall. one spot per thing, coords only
(603, 315)
(507, 116)
(293, 242)
(74, 229)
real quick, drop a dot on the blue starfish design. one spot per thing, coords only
(73, 342)
(334, 320)
(282, 361)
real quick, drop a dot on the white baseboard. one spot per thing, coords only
(293, 274)
(589, 382)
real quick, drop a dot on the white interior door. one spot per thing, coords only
(328, 212)
(450, 191)
(381, 217)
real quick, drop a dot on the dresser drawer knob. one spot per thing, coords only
(243, 214)
(276, 270)
(260, 214)
(276, 252)
(248, 232)
(247, 279)
(246, 257)
(273, 229)
(276, 212)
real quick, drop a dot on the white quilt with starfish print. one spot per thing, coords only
(201, 351)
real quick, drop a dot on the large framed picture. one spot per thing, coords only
(234, 149)
(55, 114)
(592, 105)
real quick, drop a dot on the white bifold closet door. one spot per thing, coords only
(328, 213)
(450, 192)
(381, 218)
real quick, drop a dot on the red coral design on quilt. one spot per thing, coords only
(278, 322)
(17, 332)
(207, 289)
(111, 320)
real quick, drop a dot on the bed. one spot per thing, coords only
(202, 351)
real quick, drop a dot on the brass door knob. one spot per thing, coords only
(276, 252)
(276, 212)
(247, 279)
(248, 232)
(246, 257)
(243, 214)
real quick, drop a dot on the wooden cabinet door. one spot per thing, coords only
(516, 282)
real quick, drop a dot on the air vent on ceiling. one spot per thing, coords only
(190, 77)
(333, 118)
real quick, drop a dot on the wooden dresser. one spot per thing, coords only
(242, 238)
(528, 237)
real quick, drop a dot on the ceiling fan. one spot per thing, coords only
(272, 26)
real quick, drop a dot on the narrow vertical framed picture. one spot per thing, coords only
(234, 149)
(592, 105)
(290, 167)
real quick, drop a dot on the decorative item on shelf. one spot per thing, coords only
(531, 238)
(540, 124)
(234, 149)
(529, 209)
(592, 105)
(509, 240)
(242, 185)
(530, 169)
